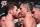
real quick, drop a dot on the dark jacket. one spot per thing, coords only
(17, 24)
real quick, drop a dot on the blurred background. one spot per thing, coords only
(4, 2)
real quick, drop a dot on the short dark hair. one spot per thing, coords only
(29, 4)
(37, 4)
(10, 5)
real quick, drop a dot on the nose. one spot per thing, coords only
(19, 13)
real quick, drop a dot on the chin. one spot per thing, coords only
(15, 16)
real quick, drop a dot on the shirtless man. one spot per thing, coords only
(36, 14)
(26, 8)
(11, 13)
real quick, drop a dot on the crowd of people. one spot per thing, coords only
(27, 15)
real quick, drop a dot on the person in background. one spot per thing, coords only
(20, 21)
(2, 21)
(36, 13)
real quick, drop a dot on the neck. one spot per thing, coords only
(9, 17)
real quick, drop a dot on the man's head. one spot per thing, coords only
(25, 6)
(20, 19)
(12, 9)
(36, 13)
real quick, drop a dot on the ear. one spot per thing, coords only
(10, 11)
(28, 9)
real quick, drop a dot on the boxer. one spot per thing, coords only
(11, 12)
(26, 8)
(36, 14)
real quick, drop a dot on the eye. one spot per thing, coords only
(19, 13)
(33, 12)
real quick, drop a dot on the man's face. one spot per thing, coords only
(21, 20)
(36, 14)
(15, 11)
(23, 10)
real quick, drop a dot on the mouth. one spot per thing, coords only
(21, 21)
(36, 19)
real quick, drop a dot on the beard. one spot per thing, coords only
(15, 16)
(36, 19)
